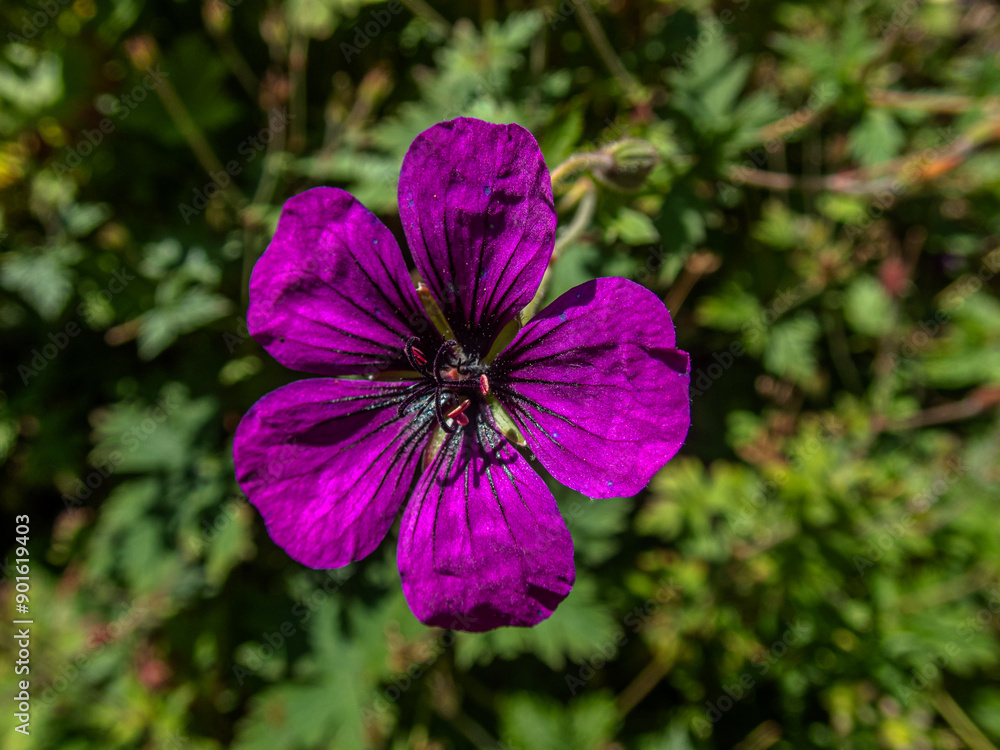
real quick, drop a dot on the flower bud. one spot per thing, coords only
(632, 159)
(274, 28)
(217, 15)
(142, 51)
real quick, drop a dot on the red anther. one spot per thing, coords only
(458, 409)
(484, 385)
(418, 356)
(451, 373)
(457, 414)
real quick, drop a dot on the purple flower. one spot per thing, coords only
(593, 383)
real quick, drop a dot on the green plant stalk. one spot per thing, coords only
(959, 721)
(581, 221)
(196, 141)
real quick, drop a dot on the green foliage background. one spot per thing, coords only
(818, 568)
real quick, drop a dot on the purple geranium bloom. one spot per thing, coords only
(593, 384)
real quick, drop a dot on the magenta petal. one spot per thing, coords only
(597, 387)
(476, 204)
(331, 294)
(482, 543)
(328, 463)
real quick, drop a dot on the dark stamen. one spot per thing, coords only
(442, 418)
(418, 391)
(416, 357)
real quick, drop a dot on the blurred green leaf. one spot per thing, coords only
(529, 722)
(790, 348)
(868, 308)
(876, 138)
(44, 277)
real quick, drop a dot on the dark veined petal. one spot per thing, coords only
(482, 542)
(328, 463)
(597, 387)
(331, 294)
(476, 204)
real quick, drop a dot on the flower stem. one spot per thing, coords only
(576, 165)
(584, 193)
(423, 10)
(592, 27)
(217, 17)
(196, 140)
(910, 169)
(698, 265)
(298, 56)
(930, 101)
(658, 668)
(960, 721)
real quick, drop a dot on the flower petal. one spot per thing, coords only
(482, 543)
(476, 204)
(331, 294)
(597, 387)
(328, 463)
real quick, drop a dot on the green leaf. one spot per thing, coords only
(790, 347)
(868, 308)
(961, 368)
(44, 278)
(876, 138)
(231, 545)
(780, 227)
(842, 207)
(162, 325)
(137, 437)
(324, 707)
(632, 227)
(30, 81)
(729, 310)
(707, 89)
(575, 629)
(536, 722)
(83, 218)
(674, 738)
(596, 525)
(315, 18)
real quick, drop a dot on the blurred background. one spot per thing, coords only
(812, 188)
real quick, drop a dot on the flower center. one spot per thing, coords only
(453, 379)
